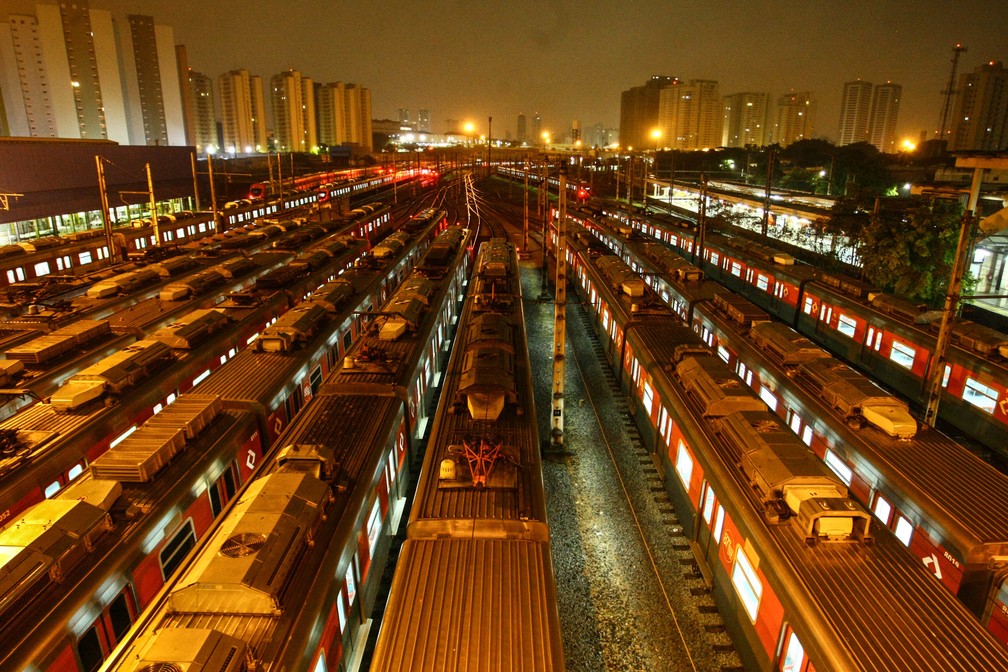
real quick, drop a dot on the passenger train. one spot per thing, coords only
(802, 576)
(155, 517)
(889, 338)
(42, 264)
(51, 442)
(947, 506)
(287, 577)
(474, 585)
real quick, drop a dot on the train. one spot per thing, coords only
(155, 517)
(37, 267)
(802, 576)
(51, 441)
(945, 504)
(473, 586)
(286, 578)
(888, 337)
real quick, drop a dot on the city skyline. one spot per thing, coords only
(571, 61)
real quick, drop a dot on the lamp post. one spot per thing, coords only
(656, 136)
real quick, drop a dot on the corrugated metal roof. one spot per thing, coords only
(495, 608)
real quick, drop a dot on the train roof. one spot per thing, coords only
(512, 497)
(494, 609)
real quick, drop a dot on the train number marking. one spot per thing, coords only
(933, 560)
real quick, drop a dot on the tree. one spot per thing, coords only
(906, 248)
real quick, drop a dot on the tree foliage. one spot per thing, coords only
(907, 247)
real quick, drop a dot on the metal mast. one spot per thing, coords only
(950, 90)
(560, 317)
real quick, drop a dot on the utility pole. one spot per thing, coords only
(195, 184)
(701, 222)
(629, 184)
(525, 217)
(213, 194)
(106, 221)
(937, 372)
(766, 193)
(560, 318)
(489, 143)
(153, 208)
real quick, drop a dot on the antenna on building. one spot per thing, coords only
(950, 91)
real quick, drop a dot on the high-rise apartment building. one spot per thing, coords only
(522, 129)
(288, 112)
(153, 95)
(855, 113)
(204, 114)
(884, 116)
(404, 116)
(332, 114)
(185, 91)
(980, 111)
(575, 132)
(423, 120)
(536, 129)
(258, 114)
(744, 120)
(308, 115)
(236, 113)
(72, 71)
(795, 118)
(639, 111)
(689, 116)
(344, 115)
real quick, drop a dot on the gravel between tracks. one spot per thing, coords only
(614, 613)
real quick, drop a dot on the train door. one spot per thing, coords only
(223, 489)
(792, 656)
(707, 530)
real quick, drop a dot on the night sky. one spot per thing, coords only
(570, 60)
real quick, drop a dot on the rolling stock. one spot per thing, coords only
(476, 567)
(105, 401)
(286, 578)
(841, 594)
(947, 506)
(888, 337)
(26, 265)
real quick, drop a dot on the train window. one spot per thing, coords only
(980, 395)
(723, 353)
(200, 378)
(902, 354)
(684, 464)
(794, 655)
(174, 552)
(648, 398)
(714, 258)
(89, 649)
(903, 530)
(42, 268)
(736, 269)
(374, 528)
(119, 615)
(316, 379)
(839, 467)
(882, 509)
(351, 586)
(747, 584)
(320, 665)
(762, 282)
(878, 341)
(84, 257)
(846, 325)
(806, 435)
(52, 489)
(719, 524)
(767, 395)
(946, 375)
(809, 306)
(708, 507)
(795, 422)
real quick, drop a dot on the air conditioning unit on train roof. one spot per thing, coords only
(192, 650)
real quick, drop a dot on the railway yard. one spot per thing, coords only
(375, 486)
